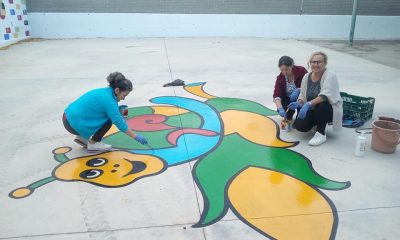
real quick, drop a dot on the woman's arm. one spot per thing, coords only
(278, 103)
(316, 101)
(130, 133)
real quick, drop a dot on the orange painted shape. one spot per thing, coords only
(280, 205)
(112, 130)
(168, 111)
(254, 127)
(198, 91)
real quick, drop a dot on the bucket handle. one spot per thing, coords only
(363, 130)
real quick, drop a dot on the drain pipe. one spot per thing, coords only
(353, 23)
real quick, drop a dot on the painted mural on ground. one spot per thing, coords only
(14, 22)
(242, 164)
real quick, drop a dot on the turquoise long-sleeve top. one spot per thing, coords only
(92, 110)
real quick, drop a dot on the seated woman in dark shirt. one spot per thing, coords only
(287, 86)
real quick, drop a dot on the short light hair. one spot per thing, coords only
(318, 53)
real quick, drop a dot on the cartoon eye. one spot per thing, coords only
(96, 162)
(91, 173)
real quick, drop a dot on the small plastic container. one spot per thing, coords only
(361, 144)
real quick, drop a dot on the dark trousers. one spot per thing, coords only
(320, 116)
(285, 102)
(97, 136)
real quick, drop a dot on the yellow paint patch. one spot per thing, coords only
(62, 150)
(21, 192)
(281, 206)
(168, 111)
(112, 130)
(254, 127)
(198, 91)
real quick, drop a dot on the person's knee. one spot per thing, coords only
(323, 107)
(301, 126)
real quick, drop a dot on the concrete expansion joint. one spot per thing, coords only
(41, 140)
(29, 125)
(94, 217)
(25, 176)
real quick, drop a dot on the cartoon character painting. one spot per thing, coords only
(241, 164)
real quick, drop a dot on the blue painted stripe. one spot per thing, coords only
(197, 145)
(195, 84)
(210, 117)
(189, 146)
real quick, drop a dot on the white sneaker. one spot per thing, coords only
(318, 139)
(98, 146)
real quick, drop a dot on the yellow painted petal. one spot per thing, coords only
(281, 206)
(168, 111)
(112, 130)
(198, 91)
(254, 127)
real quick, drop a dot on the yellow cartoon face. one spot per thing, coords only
(110, 169)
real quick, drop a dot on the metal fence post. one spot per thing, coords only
(353, 23)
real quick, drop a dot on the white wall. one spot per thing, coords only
(13, 27)
(121, 25)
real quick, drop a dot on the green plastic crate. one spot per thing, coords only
(356, 106)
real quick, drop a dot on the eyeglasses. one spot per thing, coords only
(316, 62)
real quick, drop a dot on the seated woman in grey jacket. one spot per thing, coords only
(319, 100)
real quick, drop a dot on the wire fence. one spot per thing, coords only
(306, 7)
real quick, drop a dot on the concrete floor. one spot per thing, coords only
(40, 78)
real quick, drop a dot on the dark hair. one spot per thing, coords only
(285, 60)
(118, 80)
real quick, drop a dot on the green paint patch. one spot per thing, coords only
(189, 120)
(223, 104)
(138, 111)
(156, 140)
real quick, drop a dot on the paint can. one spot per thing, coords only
(286, 125)
(123, 109)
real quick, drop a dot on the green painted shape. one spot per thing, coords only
(156, 139)
(62, 158)
(235, 154)
(41, 182)
(223, 104)
(189, 120)
(138, 111)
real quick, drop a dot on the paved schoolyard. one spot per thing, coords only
(229, 193)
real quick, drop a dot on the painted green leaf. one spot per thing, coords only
(223, 104)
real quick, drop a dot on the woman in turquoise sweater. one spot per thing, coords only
(92, 115)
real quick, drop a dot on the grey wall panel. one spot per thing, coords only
(311, 7)
(375, 7)
(327, 7)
